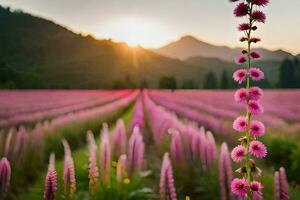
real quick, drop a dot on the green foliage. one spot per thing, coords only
(285, 153)
(210, 81)
(167, 83)
(189, 84)
(289, 74)
(224, 80)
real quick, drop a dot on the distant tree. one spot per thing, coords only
(224, 80)
(287, 75)
(144, 84)
(210, 81)
(189, 84)
(167, 83)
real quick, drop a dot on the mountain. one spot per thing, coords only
(37, 53)
(189, 46)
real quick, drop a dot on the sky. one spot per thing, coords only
(153, 23)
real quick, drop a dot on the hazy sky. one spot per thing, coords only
(152, 23)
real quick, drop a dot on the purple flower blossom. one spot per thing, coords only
(225, 171)
(258, 16)
(257, 129)
(51, 180)
(260, 2)
(69, 172)
(119, 138)
(255, 55)
(276, 186)
(211, 148)
(238, 154)
(256, 74)
(5, 175)
(243, 27)
(240, 75)
(257, 149)
(255, 93)
(240, 59)
(240, 96)
(167, 186)
(255, 108)
(176, 147)
(284, 195)
(136, 148)
(105, 155)
(240, 124)
(93, 168)
(255, 40)
(239, 187)
(241, 10)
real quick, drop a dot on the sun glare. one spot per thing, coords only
(136, 32)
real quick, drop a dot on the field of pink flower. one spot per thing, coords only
(129, 144)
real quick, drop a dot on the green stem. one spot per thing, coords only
(248, 157)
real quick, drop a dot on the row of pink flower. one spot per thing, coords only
(54, 112)
(130, 161)
(188, 143)
(226, 176)
(36, 136)
(279, 103)
(209, 121)
(14, 102)
(211, 102)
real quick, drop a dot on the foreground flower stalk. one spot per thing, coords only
(247, 186)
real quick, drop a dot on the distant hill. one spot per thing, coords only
(189, 46)
(37, 53)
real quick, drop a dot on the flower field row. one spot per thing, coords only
(166, 147)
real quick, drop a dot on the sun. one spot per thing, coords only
(135, 32)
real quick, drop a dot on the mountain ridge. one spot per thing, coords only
(189, 46)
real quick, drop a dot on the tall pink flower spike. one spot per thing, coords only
(247, 186)
(51, 180)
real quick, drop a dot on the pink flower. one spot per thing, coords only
(241, 10)
(240, 59)
(283, 184)
(5, 175)
(51, 180)
(167, 188)
(255, 108)
(225, 170)
(255, 93)
(255, 55)
(255, 40)
(243, 39)
(244, 27)
(238, 153)
(258, 16)
(105, 155)
(276, 186)
(239, 187)
(136, 149)
(69, 171)
(260, 2)
(257, 149)
(240, 95)
(240, 75)
(257, 128)
(256, 186)
(176, 147)
(240, 124)
(256, 74)
(93, 168)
